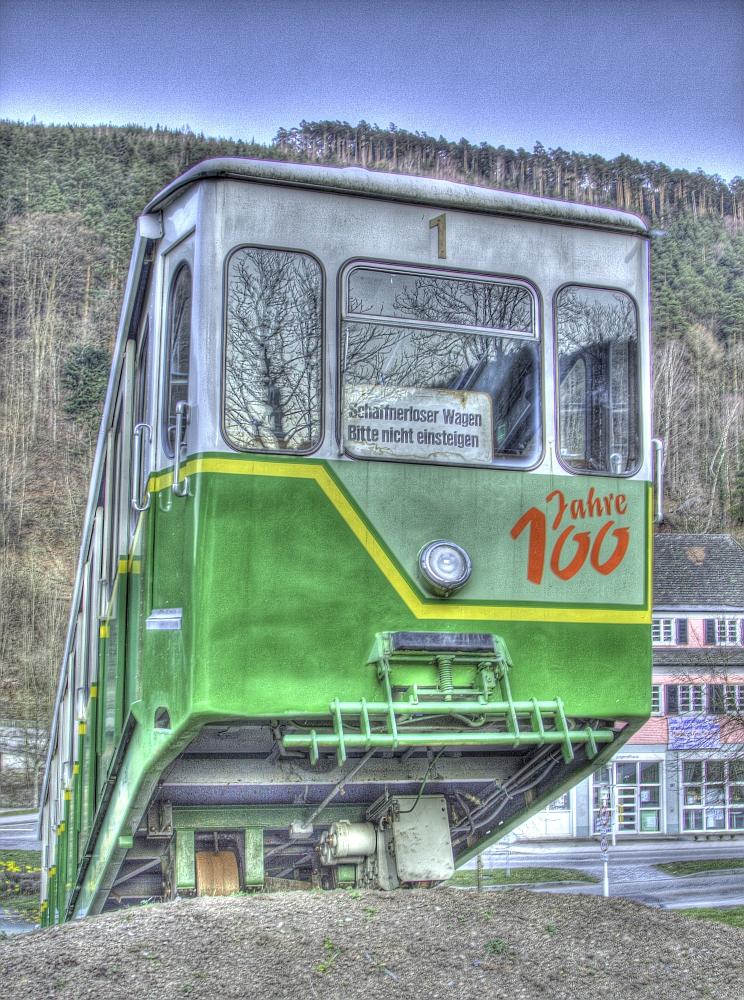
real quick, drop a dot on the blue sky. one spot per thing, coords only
(656, 79)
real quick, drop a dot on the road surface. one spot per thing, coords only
(632, 871)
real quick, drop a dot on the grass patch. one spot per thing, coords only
(22, 858)
(706, 865)
(28, 905)
(519, 876)
(734, 916)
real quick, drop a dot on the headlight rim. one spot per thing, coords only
(435, 584)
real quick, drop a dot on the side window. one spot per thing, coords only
(141, 376)
(114, 500)
(143, 439)
(178, 346)
(598, 416)
(273, 350)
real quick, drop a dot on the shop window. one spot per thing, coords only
(712, 795)
(633, 790)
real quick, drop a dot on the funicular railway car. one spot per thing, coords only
(364, 579)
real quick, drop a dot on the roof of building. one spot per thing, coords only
(698, 571)
(703, 658)
(402, 187)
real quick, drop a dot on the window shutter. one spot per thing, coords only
(710, 631)
(671, 692)
(716, 699)
(682, 635)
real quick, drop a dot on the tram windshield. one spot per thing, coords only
(440, 368)
(598, 380)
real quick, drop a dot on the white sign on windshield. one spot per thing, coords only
(435, 425)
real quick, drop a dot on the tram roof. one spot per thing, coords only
(404, 188)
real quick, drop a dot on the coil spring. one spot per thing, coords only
(445, 676)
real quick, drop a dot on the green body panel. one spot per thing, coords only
(282, 600)
(410, 505)
(282, 604)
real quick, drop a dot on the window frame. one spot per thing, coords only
(323, 349)
(703, 806)
(727, 623)
(188, 263)
(657, 697)
(695, 696)
(672, 632)
(606, 474)
(406, 267)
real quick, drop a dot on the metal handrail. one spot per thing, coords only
(137, 503)
(658, 473)
(183, 415)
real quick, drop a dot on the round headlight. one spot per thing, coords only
(445, 567)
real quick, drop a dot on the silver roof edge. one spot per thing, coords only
(403, 187)
(147, 228)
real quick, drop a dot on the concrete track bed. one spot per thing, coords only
(411, 944)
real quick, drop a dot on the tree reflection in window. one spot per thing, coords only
(402, 330)
(598, 380)
(433, 299)
(273, 350)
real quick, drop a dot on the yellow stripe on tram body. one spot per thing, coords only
(413, 602)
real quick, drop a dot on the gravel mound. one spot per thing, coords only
(420, 944)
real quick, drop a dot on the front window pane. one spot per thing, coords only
(178, 350)
(440, 369)
(598, 379)
(273, 351)
(431, 299)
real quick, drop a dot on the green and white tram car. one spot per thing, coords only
(365, 572)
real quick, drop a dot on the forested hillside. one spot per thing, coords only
(68, 200)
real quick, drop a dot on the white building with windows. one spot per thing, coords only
(683, 772)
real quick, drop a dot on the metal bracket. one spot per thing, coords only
(160, 820)
(368, 725)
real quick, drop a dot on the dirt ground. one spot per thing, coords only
(445, 943)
